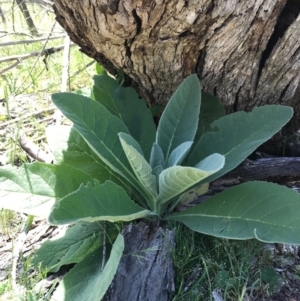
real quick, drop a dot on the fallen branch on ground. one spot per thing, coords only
(32, 40)
(26, 116)
(10, 67)
(45, 52)
(34, 151)
(275, 169)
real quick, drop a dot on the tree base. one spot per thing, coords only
(145, 272)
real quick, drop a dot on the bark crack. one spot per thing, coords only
(287, 16)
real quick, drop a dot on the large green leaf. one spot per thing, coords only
(86, 281)
(106, 202)
(99, 128)
(179, 121)
(211, 110)
(141, 168)
(72, 245)
(126, 105)
(177, 179)
(239, 134)
(34, 188)
(261, 210)
(70, 148)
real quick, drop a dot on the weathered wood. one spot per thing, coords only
(245, 52)
(145, 272)
(280, 170)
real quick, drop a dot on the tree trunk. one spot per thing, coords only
(245, 52)
(145, 272)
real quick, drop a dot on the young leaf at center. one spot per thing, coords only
(141, 168)
(177, 179)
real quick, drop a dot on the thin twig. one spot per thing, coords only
(5, 33)
(10, 67)
(84, 68)
(32, 40)
(26, 116)
(66, 65)
(44, 52)
(36, 61)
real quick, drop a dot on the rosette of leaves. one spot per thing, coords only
(114, 165)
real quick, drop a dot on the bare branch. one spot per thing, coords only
(280, 170)
(32, 40)
(10, 67)
(45, 52)
(26, 116)
(6, 33)
(34, 151)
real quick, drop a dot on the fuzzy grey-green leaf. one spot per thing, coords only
(86, 281)
(68, 147)
(126, 105)
(96, 202)
(99, 128)
(179, 153)
(72, 245)
(179, 121)
(261, 210)
(34, 188)
(141, 168)
(239, 134)
(177, 179)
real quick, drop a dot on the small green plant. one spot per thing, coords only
(115, 166)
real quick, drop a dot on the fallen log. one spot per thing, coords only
(281, 170)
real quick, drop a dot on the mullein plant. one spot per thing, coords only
(114, 165)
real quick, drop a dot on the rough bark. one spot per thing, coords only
(145, 272)
(245, 52)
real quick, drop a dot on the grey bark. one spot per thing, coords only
(282, 170)
(245, 52)
(145, 272)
